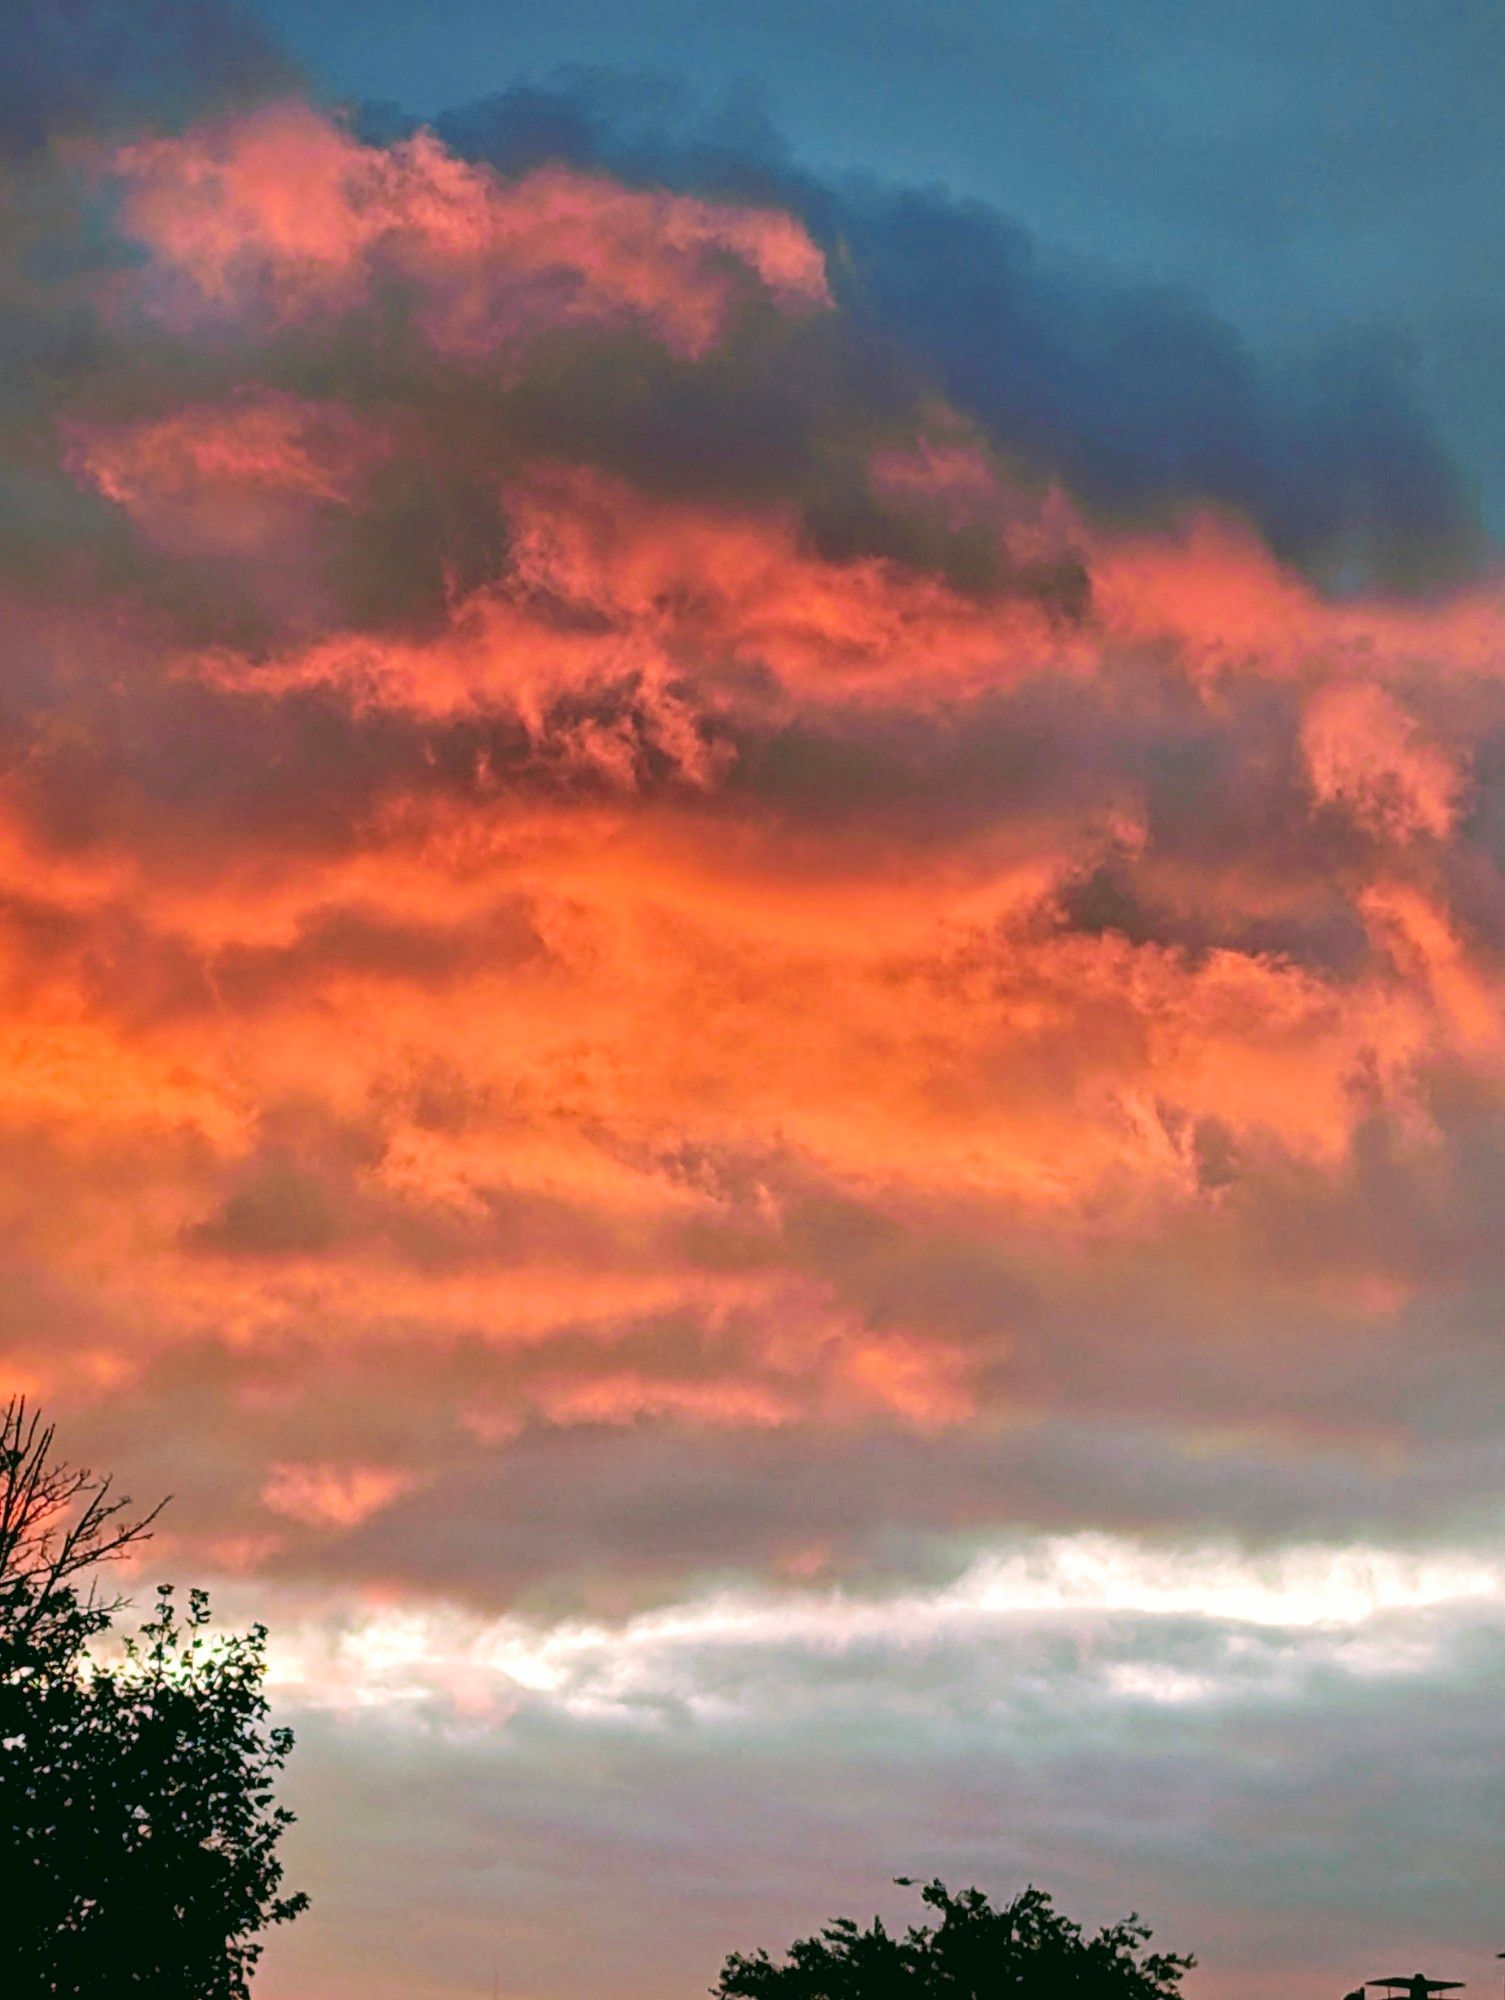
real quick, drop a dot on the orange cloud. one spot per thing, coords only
(618, 947)
(332, 1496)
(1365, 752)
(281, 208)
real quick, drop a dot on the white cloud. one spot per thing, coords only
(1363, 1610)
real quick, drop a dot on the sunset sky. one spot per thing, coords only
(752, 918)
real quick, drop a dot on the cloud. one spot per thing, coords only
(331, 1495)
(281, 213)
(1136, 394)
(1135, 1728)
(698, 892)
(850, 945)
(87, 67)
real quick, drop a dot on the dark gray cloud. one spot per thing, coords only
(101, 67)
(1138, 396)
(1310, 171)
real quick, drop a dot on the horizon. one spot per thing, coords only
(752, 899)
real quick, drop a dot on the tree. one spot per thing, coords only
(138, 1827)
(57, 1523)
(1025, 1949)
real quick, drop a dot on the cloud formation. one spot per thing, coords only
(700, 879)
(835, 931)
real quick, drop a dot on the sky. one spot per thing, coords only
(752, 918)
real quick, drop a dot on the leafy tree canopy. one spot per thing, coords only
(1025, 1949)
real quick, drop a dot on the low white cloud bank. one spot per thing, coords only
(1288, 1761)
(1181, 1624)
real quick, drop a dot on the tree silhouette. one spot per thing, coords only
(138, 1829)
(57, 1523)
(1026, 1949)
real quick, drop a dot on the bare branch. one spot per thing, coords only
(57, 1523)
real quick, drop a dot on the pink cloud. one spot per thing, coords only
(281, 210)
